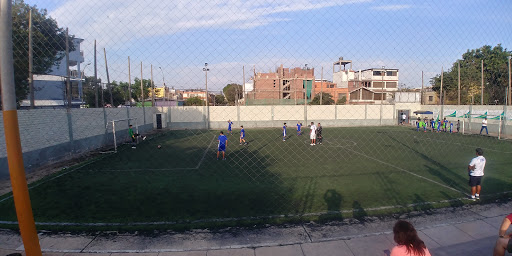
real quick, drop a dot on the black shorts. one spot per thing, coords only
(475, 181)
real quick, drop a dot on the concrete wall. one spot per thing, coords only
(50, 135)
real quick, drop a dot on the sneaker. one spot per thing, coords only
(223, 158)
(477, 196)
(240, 144)
(134, 147)
(311, 144)
(472, 198)
(143, 137)
(217, 159)
(245, 143)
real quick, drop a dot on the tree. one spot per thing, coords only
(495, 76)
(326, 99)
(49, 44)
(146, 83)
(231, 91)
(220, 99)
(342, 100)
(194, 101)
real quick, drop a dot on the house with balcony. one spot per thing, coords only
(374, 85)
(50, 89)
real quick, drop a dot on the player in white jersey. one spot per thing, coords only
(312, 134)
(476, 172)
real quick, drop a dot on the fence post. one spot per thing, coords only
(12, 135)
(70, 129)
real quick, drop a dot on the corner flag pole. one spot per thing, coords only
(12, 135)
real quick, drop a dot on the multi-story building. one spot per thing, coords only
(374, 85)
(50, 89)
(284, 84)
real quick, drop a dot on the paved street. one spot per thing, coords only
(468, 230)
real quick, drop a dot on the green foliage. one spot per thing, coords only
(495, 76)
(120, 93)
(231, 91)
(342, 101)
(326, 99)
(220, 99)
(48, 45)
(194, 101)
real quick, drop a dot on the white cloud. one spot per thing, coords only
(395, 7)
(125, 20)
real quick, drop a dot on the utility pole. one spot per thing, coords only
(141, 86)
(482, 93)
(129, 82)
(95, 76)
(422, 89)
(206, 69)
(441, 92)
(243, 84)
(152, 88)
(509, 82)
(12, 135)
(30, 62)
(321, 85)
(68, 81)
(458, 79)
(163, 81)
(108, 79)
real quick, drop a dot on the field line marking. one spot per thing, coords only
(466, 145)
(406, 171)
(205, 152)
(138, 170)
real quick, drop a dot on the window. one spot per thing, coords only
(377, 73)
(391, 73)
(430, 98)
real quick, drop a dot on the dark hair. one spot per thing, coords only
(406, 235)
(221, 132)
(242, 126)
(130, 125)
(479, 152)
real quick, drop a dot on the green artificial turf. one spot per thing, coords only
(355, 172)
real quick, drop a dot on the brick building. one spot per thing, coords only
(284, 84)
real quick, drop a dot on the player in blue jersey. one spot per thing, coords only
(451, 126)
(439, 126)
(432, 124)
(242, 135)
(223, 142)
(284, 132)
(299, 125)
(229, 127)
(418, 124)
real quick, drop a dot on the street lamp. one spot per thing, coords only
(163, 80)
(80, 90)
(206, 69)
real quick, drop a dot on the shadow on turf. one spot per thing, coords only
(439, 172)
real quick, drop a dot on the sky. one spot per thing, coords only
(178, 37)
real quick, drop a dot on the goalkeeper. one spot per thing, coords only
(134, 136)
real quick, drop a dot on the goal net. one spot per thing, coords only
(118, 131)
(477, 123)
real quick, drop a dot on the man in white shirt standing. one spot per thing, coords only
(484, 126)
(312, 134)
(476, 172)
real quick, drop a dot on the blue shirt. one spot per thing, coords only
(229, 125)
(242, 133)
(222, 140)
(298, 127)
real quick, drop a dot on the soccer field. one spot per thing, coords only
(356, 172)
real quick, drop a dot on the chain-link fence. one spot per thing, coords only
(388, 127)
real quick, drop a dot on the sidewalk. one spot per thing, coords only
(468, 230)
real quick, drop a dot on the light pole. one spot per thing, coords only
(206, 69)
(80, 93)
(163, 80)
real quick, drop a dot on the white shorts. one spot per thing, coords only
(312, 136)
